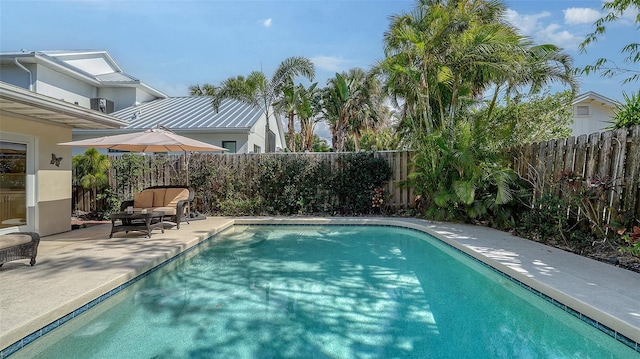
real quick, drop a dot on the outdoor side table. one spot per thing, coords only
(137, 221)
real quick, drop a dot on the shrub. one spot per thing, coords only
(628, 113)
(287, 184)
(355, 182)
(293, 184)
(266, 184)
(545, 222)
(458, 179)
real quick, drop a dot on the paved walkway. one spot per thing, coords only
(76, 267)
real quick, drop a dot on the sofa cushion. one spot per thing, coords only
(158, 197)
(12, 240)
(143, 199)
(168, 211)
(174, 195)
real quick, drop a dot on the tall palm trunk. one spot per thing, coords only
(356, 141)
(292, 131)
(308, 136)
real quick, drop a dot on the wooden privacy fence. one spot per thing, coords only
(83, 199)
(399, 196)
(607, 160)
(171, 170)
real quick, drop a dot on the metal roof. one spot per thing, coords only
(117, 77)
(190, 112)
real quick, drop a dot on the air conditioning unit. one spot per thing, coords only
(102, 104)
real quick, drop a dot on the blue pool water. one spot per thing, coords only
(325, 292)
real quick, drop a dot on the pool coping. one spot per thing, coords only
(463, 238)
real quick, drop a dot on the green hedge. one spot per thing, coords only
(274, 184)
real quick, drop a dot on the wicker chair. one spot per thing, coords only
(19, 245)
(163, 199)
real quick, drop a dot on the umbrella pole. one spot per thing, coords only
(186, 164)
(186, 160)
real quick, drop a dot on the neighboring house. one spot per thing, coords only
(92, 79)
(89, 79)
(35, 173)
(45, 95)
(238, 127)
(592, 112)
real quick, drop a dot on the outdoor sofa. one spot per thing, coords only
(19, 245)
(174, 201)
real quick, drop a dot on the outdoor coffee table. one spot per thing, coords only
(137, 221)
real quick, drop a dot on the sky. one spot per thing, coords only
(171, 45)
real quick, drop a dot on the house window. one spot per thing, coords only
(256, 149)
(230, 145)
(582, 110)
(13, 184)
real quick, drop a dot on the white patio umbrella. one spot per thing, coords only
(157, 139)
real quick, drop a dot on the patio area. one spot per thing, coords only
(76, 267)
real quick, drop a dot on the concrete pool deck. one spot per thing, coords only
(76, 267)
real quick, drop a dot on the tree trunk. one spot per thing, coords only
(309, 137)
(292, 132)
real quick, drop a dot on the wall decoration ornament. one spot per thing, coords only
(55, 160)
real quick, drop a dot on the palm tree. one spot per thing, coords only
(91, 171)
(366, 104)
(413, 46)
(334, 98)
(287, 105)
(308, 108)
(259, 91)
(539, 66)
(440, 58)
(205, 90)
(444, 55)
(351, 103)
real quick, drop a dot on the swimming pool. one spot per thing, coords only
(325, 292)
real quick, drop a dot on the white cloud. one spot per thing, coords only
(553, 35)
(528, 24)
(580, 15)
(329, 63)
(267, 22)
(534, 27)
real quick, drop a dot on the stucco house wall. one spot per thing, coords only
(14, 75)
(50, 186)
(592, 112)
(63, 87)
(41, 122)
(121, 97)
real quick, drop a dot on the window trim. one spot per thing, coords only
(30, 183)
(583, 107)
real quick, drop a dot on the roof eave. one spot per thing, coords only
(213, 129)
(153, 91)
(21, 102)
(66, 68)
(594, 96)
